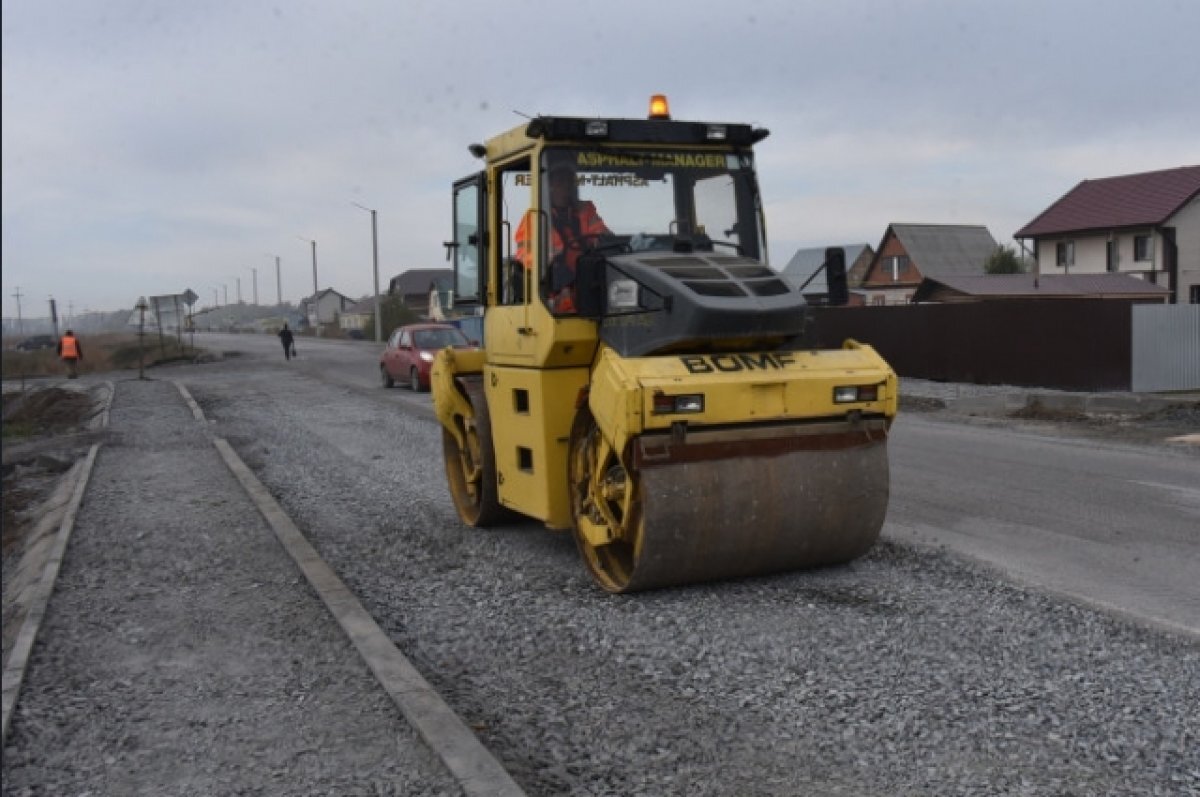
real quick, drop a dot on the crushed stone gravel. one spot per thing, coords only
(183, 653)
(907, 672)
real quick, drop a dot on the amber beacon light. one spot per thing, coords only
(658, 107)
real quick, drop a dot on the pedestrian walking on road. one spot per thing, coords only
(289, 342)
(71, 353)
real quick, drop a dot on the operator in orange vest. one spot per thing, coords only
(71, 353)
(574, 227)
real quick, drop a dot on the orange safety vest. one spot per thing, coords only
(580, 226)
(583, 215)
(70, 348)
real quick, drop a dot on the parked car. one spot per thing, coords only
(410, 352)
(37, 342)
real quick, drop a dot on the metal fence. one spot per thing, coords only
(1070, 345)
(1166, 347)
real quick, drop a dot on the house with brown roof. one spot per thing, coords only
(909, 253)
(1006, 287)
(1146, 225)
(416, 285)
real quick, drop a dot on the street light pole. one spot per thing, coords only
(254, 274)
(278, 284)
(239, 289)
(375, 266)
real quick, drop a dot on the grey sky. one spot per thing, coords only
(153, 146)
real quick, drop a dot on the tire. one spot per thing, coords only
(414, 381)
(385, 377)
(613, 565)
(475, 494)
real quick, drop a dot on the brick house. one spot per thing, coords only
(908, 253)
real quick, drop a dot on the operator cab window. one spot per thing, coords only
(516, 198)
(604, 202)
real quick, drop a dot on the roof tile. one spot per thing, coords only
(1148, 198)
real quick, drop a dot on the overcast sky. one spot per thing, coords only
(152, 146)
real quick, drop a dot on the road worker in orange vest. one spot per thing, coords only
(575, 226)
(71, 353)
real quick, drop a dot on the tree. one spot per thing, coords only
(1004, 261)
(394, 314)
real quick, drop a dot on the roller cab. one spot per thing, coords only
(644, 381)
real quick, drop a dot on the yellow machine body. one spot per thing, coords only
(671, 421)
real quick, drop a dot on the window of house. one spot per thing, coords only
(899, 264)
(1194, 294)
(1143, 248)
(1064, 253)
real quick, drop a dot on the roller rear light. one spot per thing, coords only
(852, 394)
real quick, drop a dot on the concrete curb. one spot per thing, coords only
(468, 761)
(18, 660)
(1081, 403)
(197, 413)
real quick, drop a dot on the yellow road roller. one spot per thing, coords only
(643, 380)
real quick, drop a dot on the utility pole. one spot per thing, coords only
(314, 251)
(314, 259)
(316, 316)
(225, 287)
(254, 274)
(239, 289)
(20, 326)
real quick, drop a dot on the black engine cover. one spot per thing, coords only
(693, 302)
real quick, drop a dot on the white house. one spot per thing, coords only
(1146, 225)
(326, 307)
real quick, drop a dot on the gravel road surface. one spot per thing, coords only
(184, 654)
(909, 672)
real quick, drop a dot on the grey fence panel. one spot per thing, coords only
(1166, 347)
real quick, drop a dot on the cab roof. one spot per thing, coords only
(623, 132)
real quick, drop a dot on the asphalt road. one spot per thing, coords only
(1114, 525)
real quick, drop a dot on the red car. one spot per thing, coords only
(410, 352)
